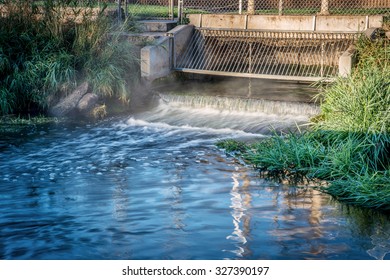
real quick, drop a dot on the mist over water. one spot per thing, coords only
(153, 185)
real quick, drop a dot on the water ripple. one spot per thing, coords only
(136, 189)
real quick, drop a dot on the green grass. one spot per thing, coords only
(17, 125)
(348, 144)
(349, 164)
(149, 11)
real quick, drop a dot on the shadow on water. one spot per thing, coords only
(153, 185)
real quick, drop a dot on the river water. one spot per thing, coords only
(153, 185)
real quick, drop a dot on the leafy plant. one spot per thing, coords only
(48, 47)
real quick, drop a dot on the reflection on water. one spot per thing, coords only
(301, 221)
(154, 186)
(381, 241)
(240, 202)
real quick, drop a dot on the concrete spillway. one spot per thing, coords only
(298, 48)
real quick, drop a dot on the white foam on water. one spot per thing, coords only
(225, 116)
(171, 129)
(242, 105)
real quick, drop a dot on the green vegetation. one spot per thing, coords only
(11, 125)
(150, 11)
(348, 145)
(48, 49)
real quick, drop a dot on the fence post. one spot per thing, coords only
(240, 7)
(324, 7)
(322, 61)
(172, 55)
(180, 11)
(251, 7)
(170, 9)
(281, 2)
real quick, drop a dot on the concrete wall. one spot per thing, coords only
(182, 35)
(347, 61)
(347, 23)
(287, 23)
(292, 23)
(157, 60)
(220, 21)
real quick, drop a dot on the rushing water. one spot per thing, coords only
(153, 185)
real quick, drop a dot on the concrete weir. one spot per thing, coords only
(157, 60)
(301, 48)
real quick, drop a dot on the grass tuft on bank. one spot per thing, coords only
(47, 49)
(348, 144)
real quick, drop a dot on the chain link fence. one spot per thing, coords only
(171, 9)
(150, 9)
(289, 7)
(136, 9)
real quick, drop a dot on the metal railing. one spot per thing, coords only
(305, 56)
(289, 7)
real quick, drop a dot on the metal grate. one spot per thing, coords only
(306, 56)
(291, 7)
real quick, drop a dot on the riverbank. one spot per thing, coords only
(347, 145)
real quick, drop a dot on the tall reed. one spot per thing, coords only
(48, 47)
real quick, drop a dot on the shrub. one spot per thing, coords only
(47, 48)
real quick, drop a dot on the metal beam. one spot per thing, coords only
(256, 76)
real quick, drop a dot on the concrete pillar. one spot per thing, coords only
(157, 60)
(181, 36)
(347, 61)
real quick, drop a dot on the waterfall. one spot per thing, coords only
(227, 114)
(247, 105)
